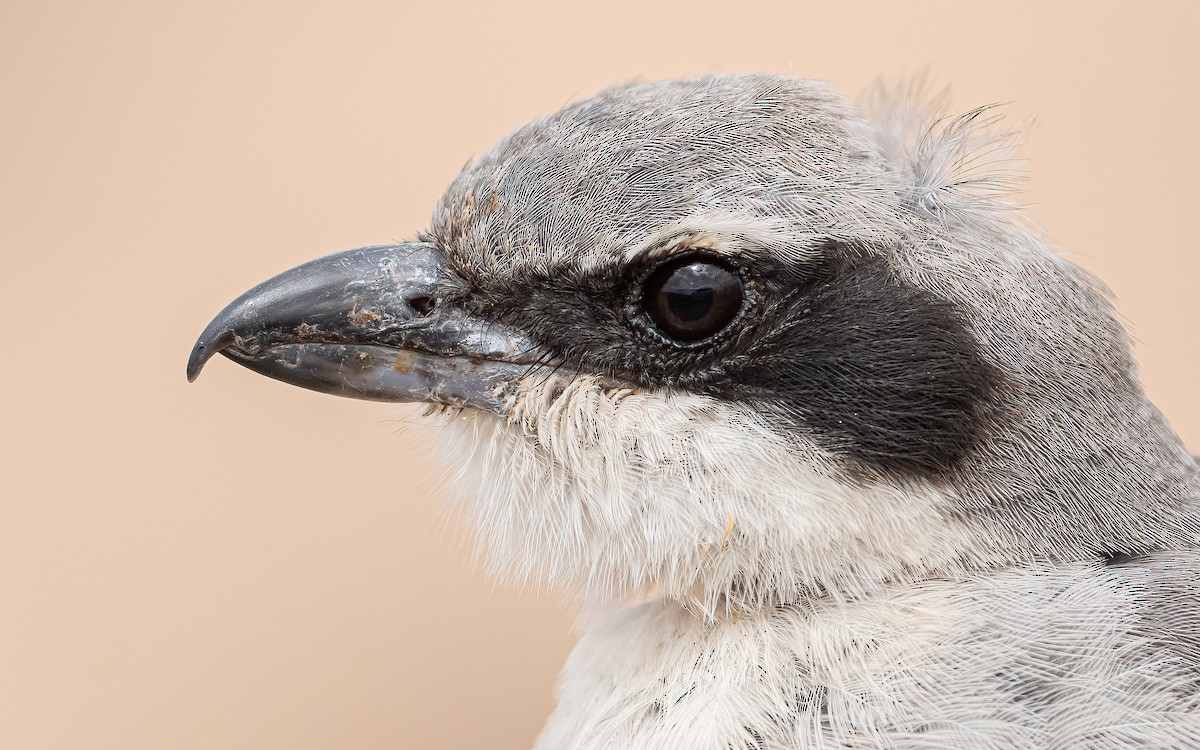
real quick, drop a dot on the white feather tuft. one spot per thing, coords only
(967, 162)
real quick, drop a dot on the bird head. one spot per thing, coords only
(731, 341)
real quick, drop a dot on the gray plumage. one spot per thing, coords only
(911, 496)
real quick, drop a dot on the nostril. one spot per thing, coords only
(423, 305)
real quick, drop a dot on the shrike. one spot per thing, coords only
(834, 450)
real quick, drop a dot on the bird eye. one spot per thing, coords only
(691, 299)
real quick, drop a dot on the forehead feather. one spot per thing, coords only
(596, 178)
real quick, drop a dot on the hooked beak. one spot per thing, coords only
(368, 324)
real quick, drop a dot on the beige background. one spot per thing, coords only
(239, 564)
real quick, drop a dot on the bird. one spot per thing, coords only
(829, 444)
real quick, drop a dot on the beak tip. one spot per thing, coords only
(196, 362)
(213, 340)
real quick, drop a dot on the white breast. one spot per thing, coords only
(1037, 658)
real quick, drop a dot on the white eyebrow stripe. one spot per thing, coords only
(729, 235)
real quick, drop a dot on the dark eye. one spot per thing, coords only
(691, 299)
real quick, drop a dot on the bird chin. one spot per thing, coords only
(382, 373)
(624, 495)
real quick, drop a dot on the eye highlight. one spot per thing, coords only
(692, 298)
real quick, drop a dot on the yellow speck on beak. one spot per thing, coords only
(404, 362)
